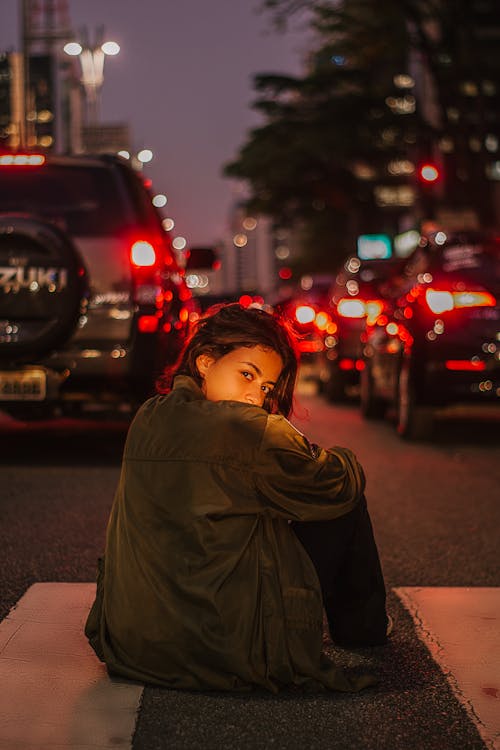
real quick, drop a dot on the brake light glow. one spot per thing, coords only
(465, 364)
(351, 364)
(441, 301)
(148, 324)
(305, 314)
(18, 160)
(310, 346)
(346, 364)
(373, 309)
(473, 299)
(322, 320)
(142, 253)
(351, 308)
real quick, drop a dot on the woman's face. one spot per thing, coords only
(246, 374)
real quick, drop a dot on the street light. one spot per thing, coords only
(145, 155)
(92, 70)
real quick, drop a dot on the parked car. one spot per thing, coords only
(355, 297)
(438, 345)
(92, 301)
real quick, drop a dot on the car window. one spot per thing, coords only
(146, 213)
(83, 201)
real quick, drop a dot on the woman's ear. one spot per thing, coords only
(203, 362)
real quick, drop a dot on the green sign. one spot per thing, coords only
(374, 246)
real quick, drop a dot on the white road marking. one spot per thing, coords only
(55, 692)
(461, 629)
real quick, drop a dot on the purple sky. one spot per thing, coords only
(183, 83)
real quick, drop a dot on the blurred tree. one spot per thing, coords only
(323, 157)
(340, 147)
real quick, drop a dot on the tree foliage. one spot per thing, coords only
(329, 136)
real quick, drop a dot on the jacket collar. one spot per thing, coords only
(189, 384)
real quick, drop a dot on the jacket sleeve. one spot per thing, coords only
(302, 482)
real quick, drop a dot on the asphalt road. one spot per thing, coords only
(436, 513)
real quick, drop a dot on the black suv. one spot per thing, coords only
(93, 304)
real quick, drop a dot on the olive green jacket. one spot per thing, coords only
(204, 584)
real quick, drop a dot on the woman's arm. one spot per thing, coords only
(302, 481)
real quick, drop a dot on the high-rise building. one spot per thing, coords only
(12, 116)
(457, 90)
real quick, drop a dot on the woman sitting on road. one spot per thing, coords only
(230, 532)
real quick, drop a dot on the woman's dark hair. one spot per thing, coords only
(229, 326)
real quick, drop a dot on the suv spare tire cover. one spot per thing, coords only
(42, 287)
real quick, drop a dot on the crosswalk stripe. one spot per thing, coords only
(59, 695)
(460, 627)
(55, 693)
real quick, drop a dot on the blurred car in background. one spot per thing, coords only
(92, 302)
(306, 309)
(355, 297)
(436, 347)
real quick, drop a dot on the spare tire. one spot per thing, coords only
(43, 285)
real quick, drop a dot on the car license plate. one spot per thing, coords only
(23, 385)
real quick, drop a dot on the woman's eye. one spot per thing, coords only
(267, 389)
(247, 375)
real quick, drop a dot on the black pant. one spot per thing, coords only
(346, 559)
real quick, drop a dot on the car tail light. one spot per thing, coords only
(142, 254)
(351, 308)
(346, 363)
(359, 308)
(443, 301)
(310, 347)
(322, 321)
(305, 314)
(373, 309)
(473, 299)
(22, 160)
(465, 364)
(148, 323)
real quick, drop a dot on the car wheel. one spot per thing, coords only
(42, 287)
(372, 407)
(414, 422)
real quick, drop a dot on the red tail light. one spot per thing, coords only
(148, 324)
(465, 364)
(347, 364)
(351, 308)
(473, 299)
(351, 364)
(358, 308)
(440, 301)
(305, 314)
(322, 321)
(142, 254)
(373, 309)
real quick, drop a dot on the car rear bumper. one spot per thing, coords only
(445, 382)
(82, 378)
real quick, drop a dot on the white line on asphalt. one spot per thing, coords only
(55, 693)
(460, 627)
(59, 695)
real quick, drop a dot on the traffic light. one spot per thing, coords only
(430, 179)
(429, 173)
